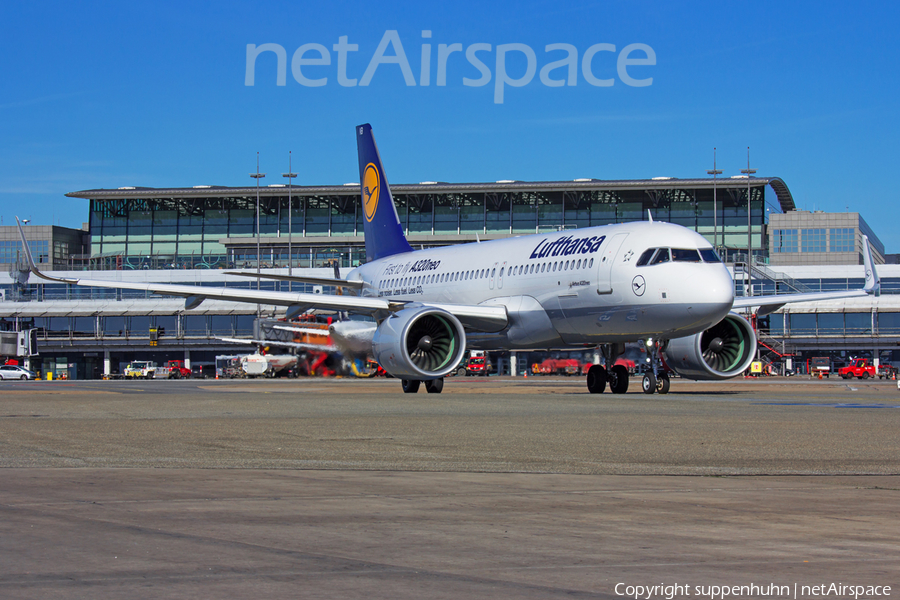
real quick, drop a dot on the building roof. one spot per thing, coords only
(782, 192)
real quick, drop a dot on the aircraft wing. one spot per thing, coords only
(298, 345)
(769, 304)
(356, 285)
(481, 318)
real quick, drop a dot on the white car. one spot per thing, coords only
(14, 372)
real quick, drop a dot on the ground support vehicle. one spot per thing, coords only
(177, 370)
(887, 372)
(478, 366)
(140, 369)
(861, 368)
(819, 366)
(267, 365)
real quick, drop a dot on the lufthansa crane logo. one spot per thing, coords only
(638, 286)
(370, 191)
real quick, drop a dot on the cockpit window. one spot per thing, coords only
(662, 255)
(645, 257)
(709, 255)
(685, 255)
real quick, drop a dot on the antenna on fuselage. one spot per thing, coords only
(649, 215)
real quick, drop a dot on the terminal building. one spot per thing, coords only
(191, 235)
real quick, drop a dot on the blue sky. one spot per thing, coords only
(153, 94)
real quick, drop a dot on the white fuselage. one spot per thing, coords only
(572, 288)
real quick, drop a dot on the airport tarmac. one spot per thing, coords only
(497, 488)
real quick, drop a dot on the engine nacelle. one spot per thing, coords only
(722, 351)
(419, 343)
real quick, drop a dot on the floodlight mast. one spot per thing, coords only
(257, 176)
(715, 172)
(749, 172)
(290, 176)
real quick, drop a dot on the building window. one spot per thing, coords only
(9, 250)
(785, 240)
(841, 240)
(813, 240)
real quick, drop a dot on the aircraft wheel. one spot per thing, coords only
(618, 381)
(596, 379)
(434, 386)
(410, 386)
(649, 383)
(662, 383)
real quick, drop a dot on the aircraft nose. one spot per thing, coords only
(717, 291)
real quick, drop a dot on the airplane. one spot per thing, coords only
(598, 287)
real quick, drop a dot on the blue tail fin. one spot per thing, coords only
(383, 233)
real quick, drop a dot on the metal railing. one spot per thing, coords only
(759, 271)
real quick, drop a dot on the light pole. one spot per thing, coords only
(715, 172)
(290, 176)
(257, 176)
(749, 172)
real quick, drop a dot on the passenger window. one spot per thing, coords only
(645, 257)
(501, 271)
(662, 256)
(685, 255)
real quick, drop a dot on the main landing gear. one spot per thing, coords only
(598, 376)
(433, 386)
(616, 375)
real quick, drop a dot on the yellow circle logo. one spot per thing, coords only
(371, 190)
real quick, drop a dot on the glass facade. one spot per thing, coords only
(180, 231)
(171, 327)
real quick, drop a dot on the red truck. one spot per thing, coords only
(177, 370)
(478, 366)
(860, 368)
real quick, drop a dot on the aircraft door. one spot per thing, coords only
(607, 257)
(500, 276)
(494, 270)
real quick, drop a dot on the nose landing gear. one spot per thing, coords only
(656, 380)
(655, 383)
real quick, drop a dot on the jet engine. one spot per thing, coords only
(722, 351)
(419, 343)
